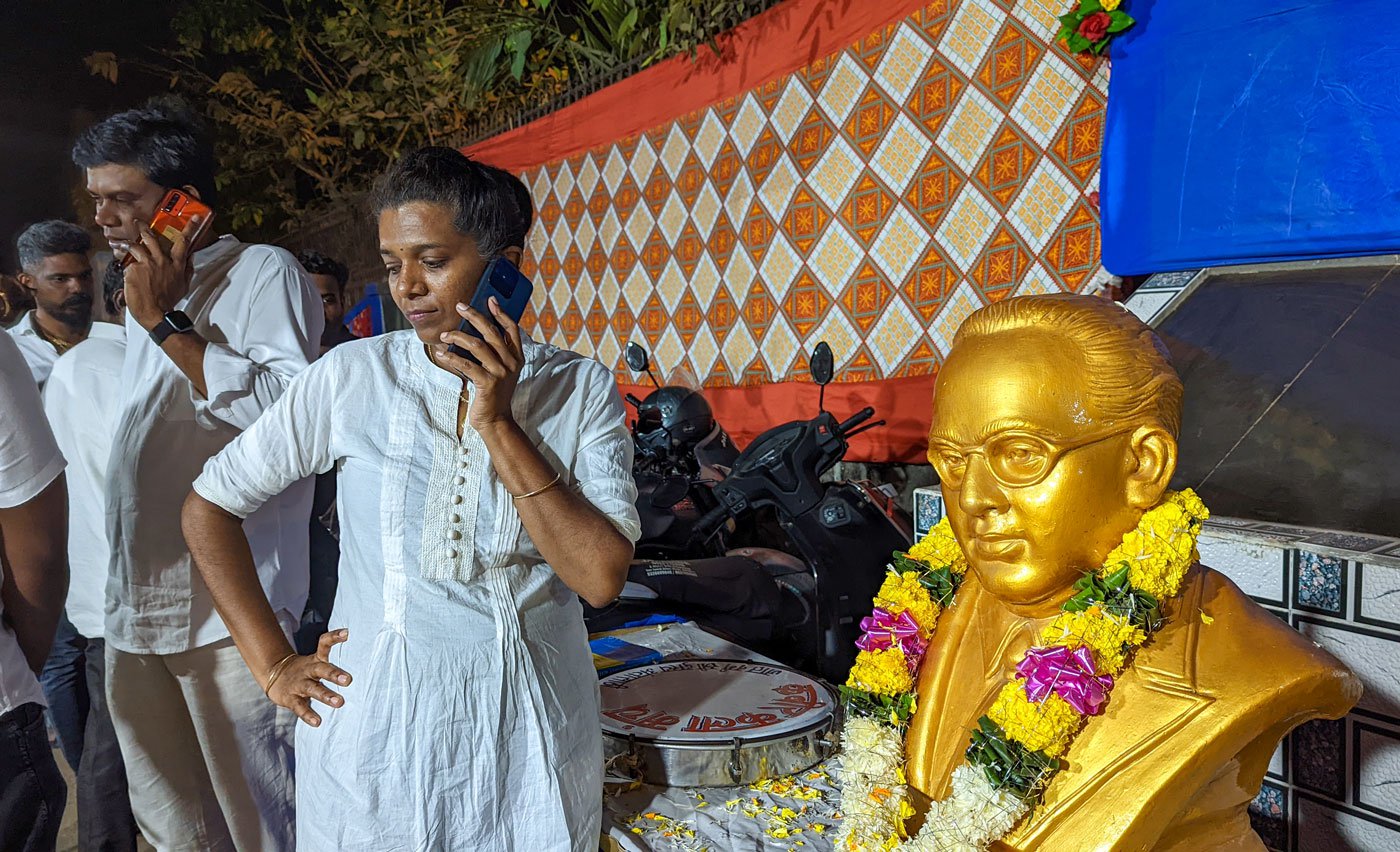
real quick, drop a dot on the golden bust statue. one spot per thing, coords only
(1188, 732)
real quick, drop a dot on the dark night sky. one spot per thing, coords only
(47, 95)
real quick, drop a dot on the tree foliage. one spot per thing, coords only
(311, 98)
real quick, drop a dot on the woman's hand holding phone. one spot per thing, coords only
(500, 358)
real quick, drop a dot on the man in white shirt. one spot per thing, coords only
(215, 331)
(81, 400)
(55, 269)
(33, 581)
(58, 275)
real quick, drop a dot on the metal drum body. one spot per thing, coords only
(715, 723)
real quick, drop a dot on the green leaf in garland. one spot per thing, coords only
(858, 702)
(1089, 7)
(1078, 43)
(1007, 764)
(1121, 21)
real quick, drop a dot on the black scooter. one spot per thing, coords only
(801, 599)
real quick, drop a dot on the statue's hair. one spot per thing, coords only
(1128, 368)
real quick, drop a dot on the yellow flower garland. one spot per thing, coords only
(1157, 554)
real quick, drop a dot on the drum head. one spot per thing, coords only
(711, 703)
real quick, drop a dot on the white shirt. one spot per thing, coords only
(263, 320)
(29, 462)
(81, 400)
(40, 354)
(472, 721)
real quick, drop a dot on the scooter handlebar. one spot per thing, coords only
(855, 420)
(711, 521)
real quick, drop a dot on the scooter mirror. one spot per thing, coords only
(636, 357)
(822, 364)
(671, 491)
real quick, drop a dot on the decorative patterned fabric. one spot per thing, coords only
(872, 199)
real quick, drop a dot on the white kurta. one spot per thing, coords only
(472, 722)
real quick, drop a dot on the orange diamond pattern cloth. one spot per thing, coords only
(872, 199)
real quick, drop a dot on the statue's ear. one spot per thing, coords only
(1152, 461)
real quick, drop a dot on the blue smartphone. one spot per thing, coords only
(512, 291)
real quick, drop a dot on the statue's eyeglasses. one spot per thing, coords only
(1016, 458)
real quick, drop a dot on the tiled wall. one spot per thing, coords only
(872, 199)
(1332, 785)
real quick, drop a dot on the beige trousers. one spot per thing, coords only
(208, 757)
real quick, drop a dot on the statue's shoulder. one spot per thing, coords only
(1240, 646)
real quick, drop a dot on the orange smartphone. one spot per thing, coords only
(174, 215)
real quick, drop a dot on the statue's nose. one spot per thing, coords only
(980, 492)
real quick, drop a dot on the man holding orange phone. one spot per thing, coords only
(216, 329)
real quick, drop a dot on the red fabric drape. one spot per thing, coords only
(783, 39)
(745, 412)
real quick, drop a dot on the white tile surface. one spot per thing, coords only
(1379, 774)
(1256, 567)
(1373, 659)
(1322, 829)
(1380, 593)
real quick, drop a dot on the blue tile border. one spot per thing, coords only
(1268, 815)
(1319, 583)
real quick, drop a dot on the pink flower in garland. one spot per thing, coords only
(883, 629)
(1068, 674)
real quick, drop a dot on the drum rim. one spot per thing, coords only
(826, 720)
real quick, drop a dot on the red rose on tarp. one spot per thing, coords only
(1095, 26)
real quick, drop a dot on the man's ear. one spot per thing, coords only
(1152, 462)
(513, 254)
(26, 280)
(191, 192)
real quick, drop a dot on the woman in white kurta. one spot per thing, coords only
(465, 712)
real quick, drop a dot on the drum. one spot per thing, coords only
(715, 723)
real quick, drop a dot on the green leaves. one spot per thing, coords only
(1094, 39)
(311, 99)
(1007, 764)
(883, 707)
(942, 584)
(1114, 595)
(517, 44)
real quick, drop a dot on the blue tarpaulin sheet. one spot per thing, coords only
(1251, 131)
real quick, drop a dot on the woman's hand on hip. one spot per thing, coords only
(500, 355)
(300, 680)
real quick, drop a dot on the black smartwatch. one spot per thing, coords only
(174, 322)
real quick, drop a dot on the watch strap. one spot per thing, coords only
(174, 322)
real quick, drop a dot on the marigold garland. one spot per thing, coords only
(1016, 748)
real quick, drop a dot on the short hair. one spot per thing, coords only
(484, 206)
(164, 138)
(113, 280)
(1127, 367)
(51, 238)
(316, 263)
